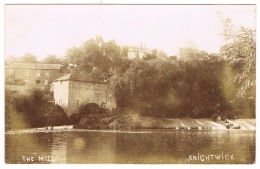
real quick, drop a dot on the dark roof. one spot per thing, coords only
(79, 77)
(33, 66)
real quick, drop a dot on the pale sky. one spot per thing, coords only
(52, 29)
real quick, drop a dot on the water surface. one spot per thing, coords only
(131, 147)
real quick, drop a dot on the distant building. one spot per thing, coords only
(24, 75)
(137, 52)
(74, 89)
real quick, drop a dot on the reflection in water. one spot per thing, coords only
(142, 146)
(59, 147)
(91, 147)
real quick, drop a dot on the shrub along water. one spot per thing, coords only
(32, 110)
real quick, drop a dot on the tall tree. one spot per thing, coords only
(73, 55)
(240, 51)
(95, 56)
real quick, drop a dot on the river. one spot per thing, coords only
(131, 147)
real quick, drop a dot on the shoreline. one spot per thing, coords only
(142, 130)
(133, 123)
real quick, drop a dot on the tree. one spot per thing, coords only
(173, 57)
(162, 55)
(96, 57)
(240, 51)
(28, 58)
(52, 59)
(154, 52)
(34, 109)
(159, 88)
(152, 55)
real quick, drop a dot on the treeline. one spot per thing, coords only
(197, 89)
(32, 109)
(197, 85)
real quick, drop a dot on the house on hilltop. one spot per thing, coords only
(136, 51)
(74, 89)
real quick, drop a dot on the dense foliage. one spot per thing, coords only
(32, 110)
(197, 85)
(240, 51)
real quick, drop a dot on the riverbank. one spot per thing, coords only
(128, 122)
(139, 122)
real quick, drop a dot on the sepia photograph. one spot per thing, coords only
(129, 83)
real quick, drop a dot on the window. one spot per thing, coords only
(46, 73)
(45, 82)
(38, 73)
(37, 81)
(26, 73)
(11, 71)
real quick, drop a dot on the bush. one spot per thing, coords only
(89, 109)
(34, 109)
(75, 118)
(56, 116)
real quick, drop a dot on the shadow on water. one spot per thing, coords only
(140, 146)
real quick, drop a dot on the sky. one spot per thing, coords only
(52, 29)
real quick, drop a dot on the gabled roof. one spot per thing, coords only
(79, 77)
(37, 66)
